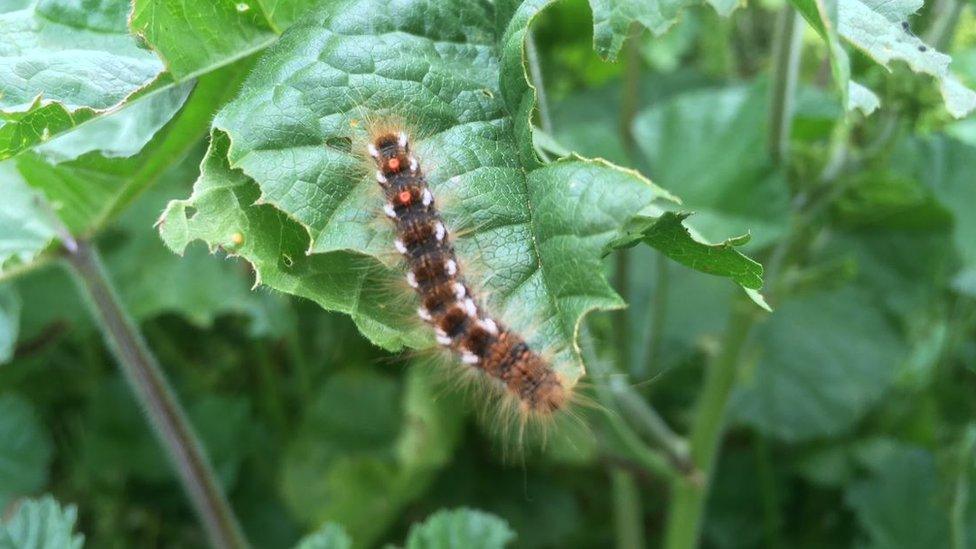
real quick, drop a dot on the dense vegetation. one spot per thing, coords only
(202, 338)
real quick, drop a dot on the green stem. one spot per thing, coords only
(659, 313)
(960, 499)
(688, 498)
(153, 392)
(269, 387)
(627, 513)
(767, 487)
(628, 111)
(630, 102)
(299, 362)
(786, 64)
(947, 15)
(646, 420)
(653, 461)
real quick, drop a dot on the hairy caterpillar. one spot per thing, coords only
(459, 322)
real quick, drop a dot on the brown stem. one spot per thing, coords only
(158, 400)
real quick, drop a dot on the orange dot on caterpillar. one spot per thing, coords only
(404, 198)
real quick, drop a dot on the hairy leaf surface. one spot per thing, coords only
(62, 63)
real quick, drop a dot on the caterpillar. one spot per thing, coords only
(460, 324)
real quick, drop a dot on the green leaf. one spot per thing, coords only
(197, 37)
(85, 193)
(199, 286)
(121, 446)
(904, 483)
(709, 148)
(63, 64)
(9, 321)
(41, 524)
(26, 225)
(120, 135)
(946, 166)
(459, 528)
(813, 377)
(280, 173)
(612, 19)
(330, 536)
(668, 234)
(25, 449)
(881, 30)
(361, 455)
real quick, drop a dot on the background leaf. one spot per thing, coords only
(460, 528)
(25, 450)
(330, 536)
(41, 524)
(9, 321)
(782, 396)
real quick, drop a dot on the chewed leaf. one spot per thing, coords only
(612, 19)
(286, 171)
(881, 29)
(81, 61)
(668, 234)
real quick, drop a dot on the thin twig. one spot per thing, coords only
(786, 63)
(153, 392)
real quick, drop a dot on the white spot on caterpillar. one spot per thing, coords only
(390, 212)
(380, 177)
(450, 266)
(373, 151)
(426, 198)
(468, 357)
(441, 337)
(413, 164)
(423, 313)
(490, 326)
(439, 231)
(398, 244)
(402, 139)
(412, 280)
(470, 307)
(459, 290)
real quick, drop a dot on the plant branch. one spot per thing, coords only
(153, 392)
(947, 15)
(960, 499)
(627, 510)
(659, 312)
(786, 64)
(648, 422)
(688, 499)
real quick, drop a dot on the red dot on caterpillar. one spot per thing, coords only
(394, 164)
(404, 198)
